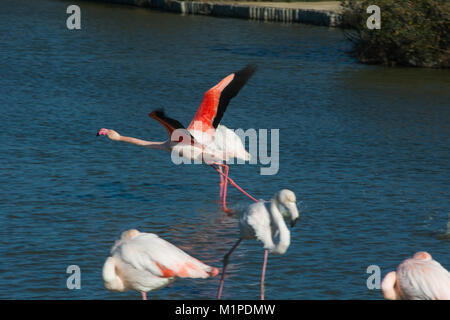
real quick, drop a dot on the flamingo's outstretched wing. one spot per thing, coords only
(423, 279)
(171, 125)
(149, 252)
(216, 100)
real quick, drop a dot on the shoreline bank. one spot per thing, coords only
(326, 13)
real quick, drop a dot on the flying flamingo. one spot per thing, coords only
(417, 278)
(264, 220)
(145, 262)
(204, 138)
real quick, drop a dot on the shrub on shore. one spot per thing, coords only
(413, 32)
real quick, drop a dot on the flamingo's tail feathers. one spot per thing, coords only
(200, 270)
(247, 156)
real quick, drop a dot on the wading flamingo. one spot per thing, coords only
(417, 278)
(264, 221)
(205, 138)
(145, 262)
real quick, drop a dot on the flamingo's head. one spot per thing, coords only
(112, 134)
(288, 201)
(422, 255)
(129, 234)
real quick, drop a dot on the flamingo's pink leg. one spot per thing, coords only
(225, 263)
(225, 186)
(224, 176)
(266, 254)
(234, 183)
(144, 296)
(221, 183)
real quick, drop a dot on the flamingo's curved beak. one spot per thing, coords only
(293, 211)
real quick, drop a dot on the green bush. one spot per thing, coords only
(413, 33)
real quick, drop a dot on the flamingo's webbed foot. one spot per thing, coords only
(228, 211)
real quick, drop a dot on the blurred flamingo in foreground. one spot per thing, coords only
(417, 278)
(264, 221)
(205, 140)
(145, 262)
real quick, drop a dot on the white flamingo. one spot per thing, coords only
(145, 262)
(264, 220)
(204, 139)
(417, 278)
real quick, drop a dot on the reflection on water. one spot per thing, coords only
(365, 148)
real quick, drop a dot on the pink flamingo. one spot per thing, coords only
(417, 278)
(264, 221)
(145, 262)
(205, 138)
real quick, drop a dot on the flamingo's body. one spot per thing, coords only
(417, 278)
(222, 146)
(204, 140)
(265, 220)
(145, 262)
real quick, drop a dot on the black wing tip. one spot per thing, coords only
(157, 112)
(253, 66)
(243, 75)
(248, 70)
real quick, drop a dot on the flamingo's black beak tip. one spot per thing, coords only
(97, 134)
(293, 222)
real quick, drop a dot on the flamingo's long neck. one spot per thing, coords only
(280, 225)
(162, 145)
(388, 286)
(111, 279)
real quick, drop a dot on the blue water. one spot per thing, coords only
(365, 148)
